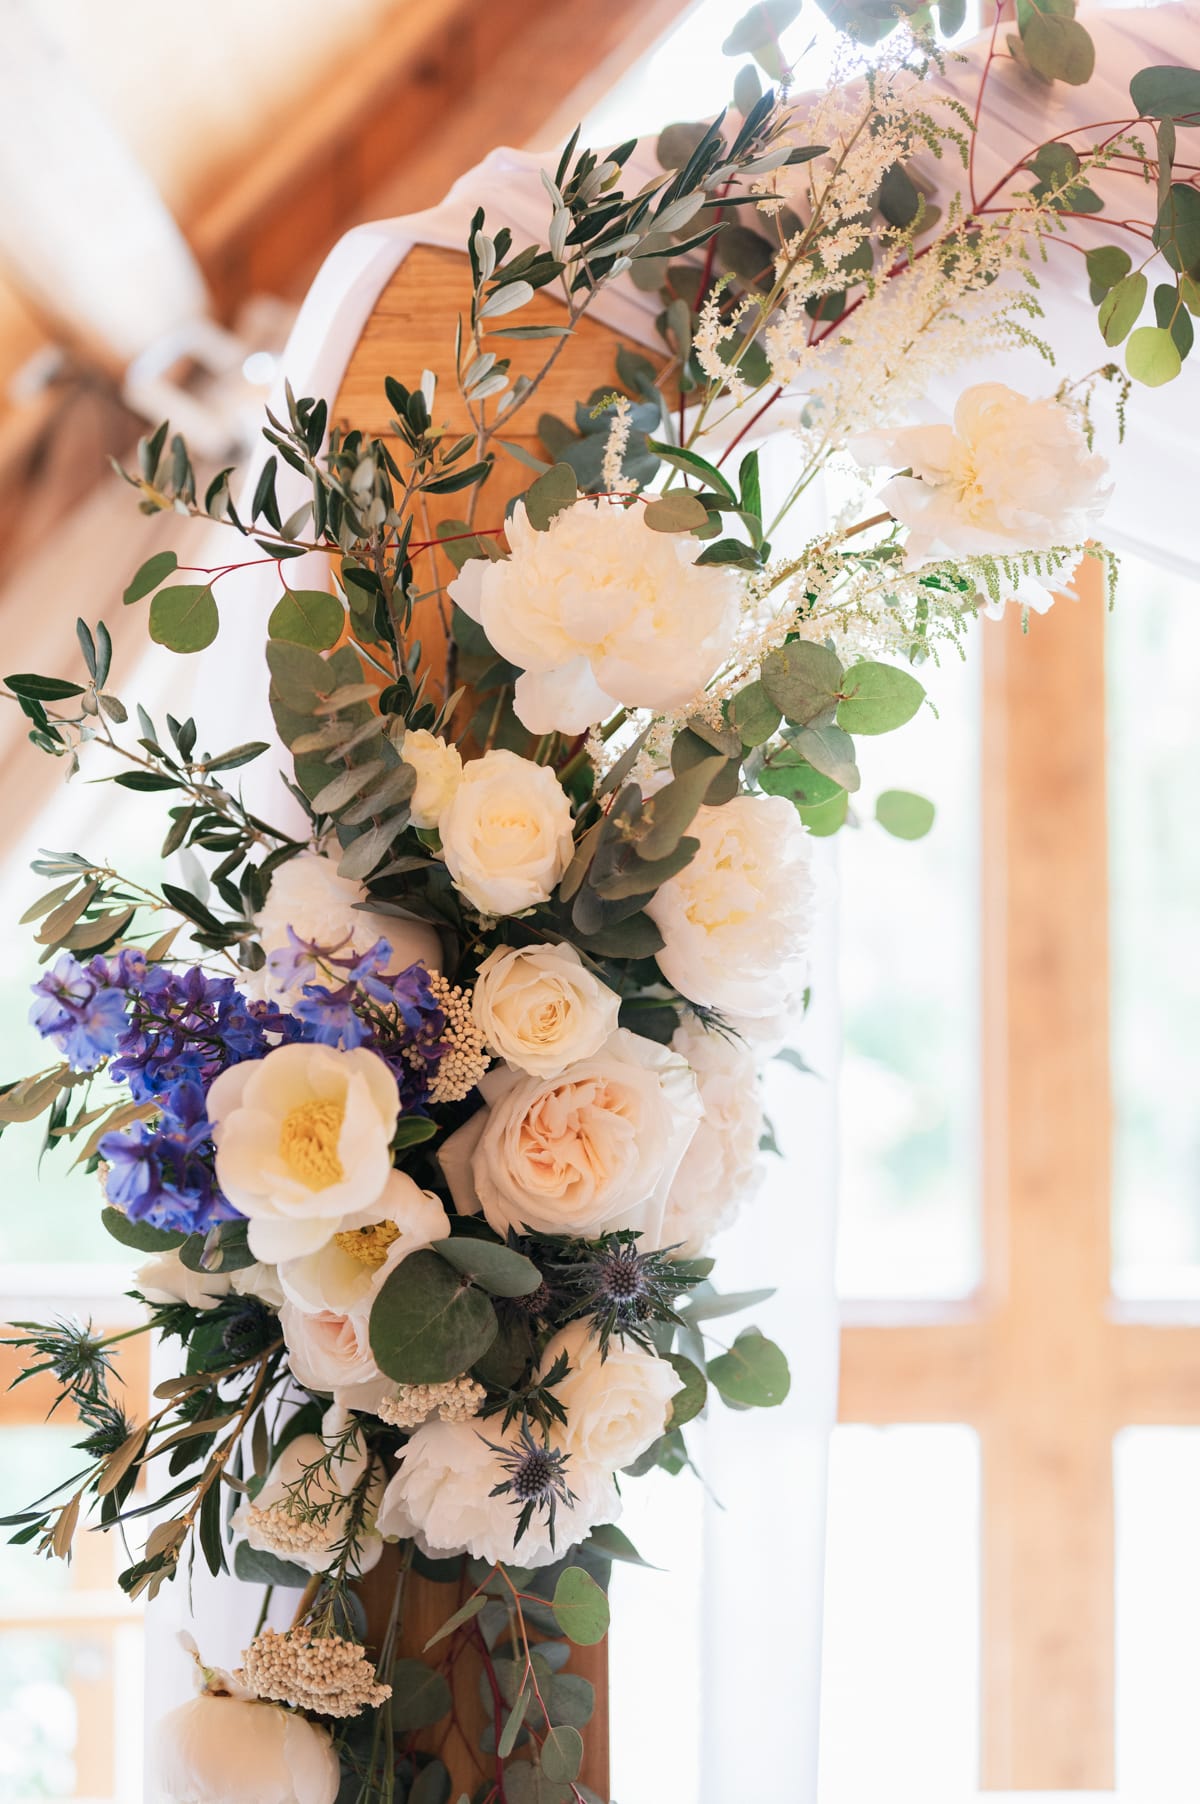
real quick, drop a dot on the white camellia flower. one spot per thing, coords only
(1010, 475)
(166, 1279)
(307, 895)
(735, 921)
(506, 836)
(617, 1402)
(276, 1521)
(600, 611)
(439, 773)
(722, 1167)
(584, 1153)
(541, 1008)
(303, 1141)
(220, 1748)
(440, 1497)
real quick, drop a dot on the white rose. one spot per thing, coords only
(303, 1141)
(275, 1520)
(439, 773)
(166, 1279)
(1010, 475)
(541, 1008)
(307, 895)
(257, 1280)
(217, 1749)
(721, 1168)
(617, 1402)
(735, 921)
(601, 611)
(585, 1153)
(506, 836)
(441, 1497)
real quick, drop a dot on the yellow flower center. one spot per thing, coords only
(368, 1245)
(308, 1143)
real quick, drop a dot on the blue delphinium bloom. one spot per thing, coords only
(161, 1172)
(80, 1011)
(185, 1027)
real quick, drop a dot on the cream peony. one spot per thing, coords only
(439, 773)
(617, 1402)
(166, 1279)
(541, 1008)
(303, 1141)
(584, 1153)
(221, 1749)
(599, 611)
(274, 1521)
(721, 1168)
(440, 1496)
(307, 895)
(506, 836)
(735, 920)
(1010, 475)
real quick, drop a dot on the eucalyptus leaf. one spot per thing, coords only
(903, 814)
(580, 1607)
(1152, 356)
(803, 680)
(498, 1269)
(754, 1372)
(878, 698)
(549, 495)
(428, 1323)
(309, 617)
(829, 750)
(184, 617)
(420, 1695)
(1167, 91)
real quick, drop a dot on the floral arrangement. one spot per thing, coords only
(424, 1106)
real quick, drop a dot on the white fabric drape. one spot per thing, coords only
(716, 1661)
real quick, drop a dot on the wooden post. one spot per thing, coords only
(410, 330)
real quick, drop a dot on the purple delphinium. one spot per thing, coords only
(161, 1172)
(80, 1011)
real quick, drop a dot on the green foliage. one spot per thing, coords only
(549, 495)
(753, 1373)
(1121, 306)
(184, 617)
(1167, 91)
(878, 698)
(904, 815)
(154, 571)
(253, 1567)
(420, 1696)
(495, 1268)
(580, 1607)
(309, 617)
(142, 1236)
(804, 681)
(429, 1322)
(1152, 356)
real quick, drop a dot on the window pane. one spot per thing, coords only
(909, 933)
(1154, 747)
(1157, 1472)
(899, 1707)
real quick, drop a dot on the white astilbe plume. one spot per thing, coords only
(615, 447)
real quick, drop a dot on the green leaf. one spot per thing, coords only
(496, 1268)
(431, 1785)
(420, 1696)
(142, 1236)
(903, 814)
(562, 1754)
(1172, 316)
(879, 698)
(1152, 356)
(580, 1607)
(760, 26)
(831, 751)
(826, 818)
(677, 142)
(1120, 307)
(42, 688)
(788, 774)
(1177, 229)
(428, 1324)
(677, 511)
(754, 714)
(155, 570)
(1107, 265)
(754, 1372)
(612, 1543)
(255, 1568)
(549, 495)
(465, 1613)
(691, 1399)
(1059, 49)
(307, 617)
(184, 618)
(693, 465)
(803, 680)
(1166, 91)
(411, 1130)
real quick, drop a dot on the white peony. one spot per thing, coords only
(735, 921)
(506, 836)
(307, 895)
(166, 1279)
(584, 1153)
(303, 1143)
(441, 1497)
(439, 773)
(304, 1519)
(601, 611)
(617, 1402)
(541, 1008)
(721, 1168)
(222, 1749)
(1010, 475)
